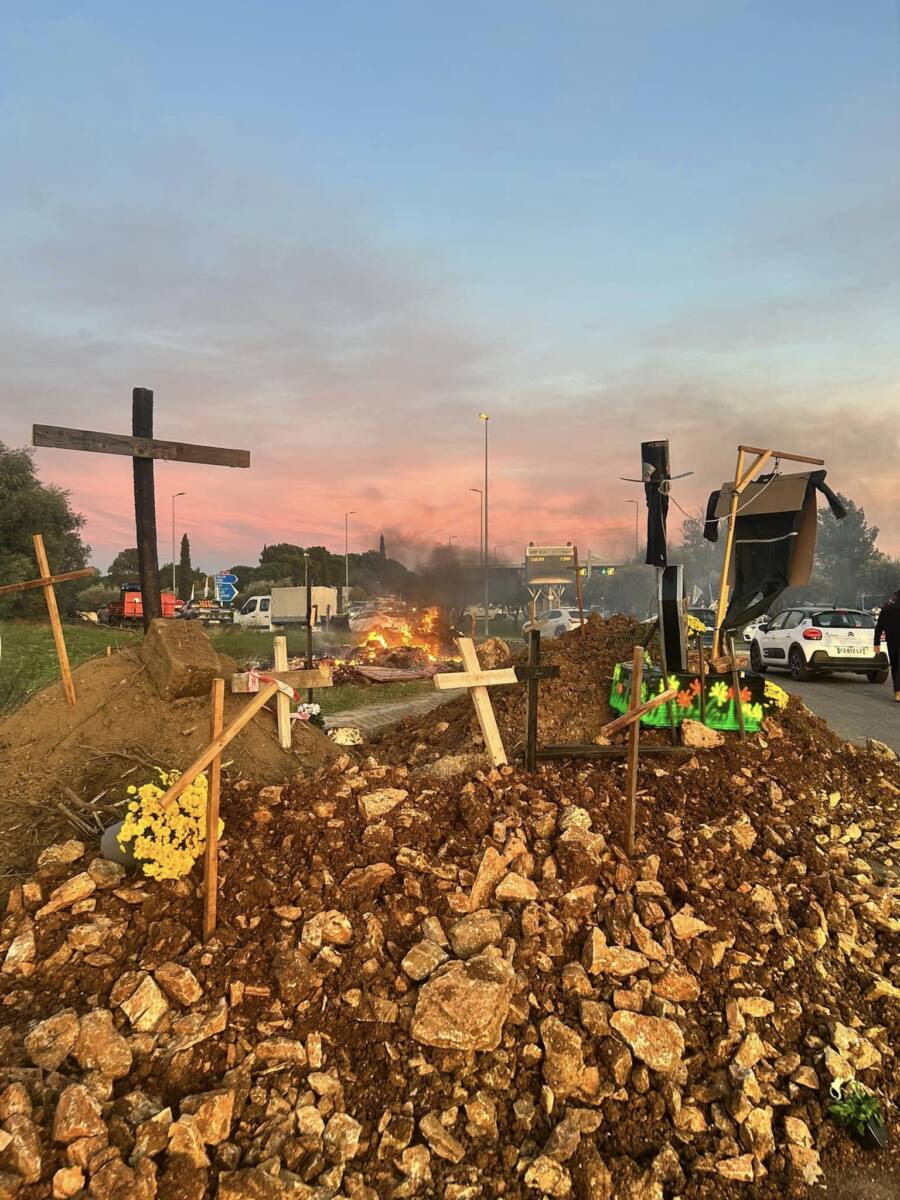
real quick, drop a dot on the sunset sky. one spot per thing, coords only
(332, 232)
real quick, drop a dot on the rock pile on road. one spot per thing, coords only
(464, 989)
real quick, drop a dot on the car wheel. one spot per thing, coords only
(797, 663)
(756, 663)
(877, 676)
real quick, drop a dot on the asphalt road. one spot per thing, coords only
(853, 707)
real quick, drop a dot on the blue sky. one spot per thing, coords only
(333, 232)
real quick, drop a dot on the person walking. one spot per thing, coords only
(888, 626)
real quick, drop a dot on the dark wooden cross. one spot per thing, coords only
(142, 448)
(532, 674)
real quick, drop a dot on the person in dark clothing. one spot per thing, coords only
(888, 626)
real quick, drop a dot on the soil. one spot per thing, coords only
(64, 771)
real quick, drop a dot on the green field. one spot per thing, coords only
(28, 661)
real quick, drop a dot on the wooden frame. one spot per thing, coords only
(742, 477)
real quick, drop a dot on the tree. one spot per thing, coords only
(845, 551)
(28, 506)
(185, 577)
(124, 567)
(381, 548)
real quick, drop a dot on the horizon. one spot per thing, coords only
(333, 237)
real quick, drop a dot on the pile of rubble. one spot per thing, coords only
(466, 990)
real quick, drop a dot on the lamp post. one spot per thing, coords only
(480, 523)
(174, 495)
(486, 419)
(347, 516)
(636, 513)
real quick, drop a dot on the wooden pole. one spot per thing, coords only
(145, 508)
(579, 593)
(218, 744)
(45, 580)
(309, 637)
(531, 701)
(211, 854)
(55, 624)
(702, 678)
(282, 701)
(736, 686)
(634, 741)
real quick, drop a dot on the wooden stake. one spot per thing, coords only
(55, 624)
(531, 701)
(578, 589)
(211, 854)
(736, 686)
(634, 741)
(282, 702)
(635, 713)
(218, 744)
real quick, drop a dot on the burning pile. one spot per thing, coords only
(464, 990)
(417, 641)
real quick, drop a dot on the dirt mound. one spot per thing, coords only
(462, 988)
(64, 770)
(572, 707)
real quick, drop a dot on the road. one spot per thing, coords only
(853, 707)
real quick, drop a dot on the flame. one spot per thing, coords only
(420, 632)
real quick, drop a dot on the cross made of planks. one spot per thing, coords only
(477, 681)
(46, 581)
(142, 448)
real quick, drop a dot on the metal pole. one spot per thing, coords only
(347, 516)
(480, 492)
(484, 417)
(173, 549)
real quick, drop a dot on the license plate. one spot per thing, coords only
(861, 651)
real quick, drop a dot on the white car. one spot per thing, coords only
(554, 622)
(809, 641)
(750, 630)
(377, 618)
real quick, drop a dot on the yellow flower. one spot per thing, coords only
(166, 841)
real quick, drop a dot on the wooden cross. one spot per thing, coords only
(632, 721)
(288, 683)
(46, 581)
(532, 674)
(142, 448)
(478, 681)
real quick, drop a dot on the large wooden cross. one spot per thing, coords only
(477, 681)
(142, 448)
(46, 581)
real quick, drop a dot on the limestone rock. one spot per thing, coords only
(295, 977)
(685, 925)
(22, 949)
(139, 998)
(23, 1153)
(492, 652)
(186, 1142)
(475, 932)
(797, 1132)
(805, 1163)
(677, 985)
(341, 1138)
(77, 1115)
(756, 1133)
(61, 853)
(106, 874)
(491, 870)
(67, 1182)
(654, 1040)
(548, 1177)
(212, 1114)
(423, 959)
(464, 1005)
(375, 805)
(516, 888)
(599, 958)
(366, 881)
(179, 983)
(50, 1043)
(79, 887)
(700, 736)
(737, 1170)
(180, 659)
(563, 1057)
(590, 1175)
(579, 855)
(440, 1141)
(100, 1047)
(196, 1027)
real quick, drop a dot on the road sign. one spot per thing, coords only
(549, 564)
(225, 589)
(226, 577)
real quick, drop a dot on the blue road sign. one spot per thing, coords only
(226, 577)
(225, 592)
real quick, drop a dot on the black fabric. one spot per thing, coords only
(888, 623)
(763, 547)
(817, 480)
(894, 656)
(711, 526)
(657, 514)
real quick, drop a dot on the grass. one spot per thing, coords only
(28, 656)
(28, 661)
(247, 645)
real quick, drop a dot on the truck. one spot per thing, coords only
(286, 606)
(129, 608)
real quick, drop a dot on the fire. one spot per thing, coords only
(421, 632)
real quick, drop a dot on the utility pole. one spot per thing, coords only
(484, 417)
(347, 516)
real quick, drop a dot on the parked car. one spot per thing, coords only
(554, 622)
(808, 641)
(750, 630)
(378, 618)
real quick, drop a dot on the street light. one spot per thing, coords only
(484, 417)
(636, 512)
(347, 516)
(480, 523)
(174, 495)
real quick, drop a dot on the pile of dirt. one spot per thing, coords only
(65, 770)
(465, 990)
(572, 707)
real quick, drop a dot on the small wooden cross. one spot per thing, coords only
(532, 674)
(288, 683)
(142, 448)
(46, 581)
(632, 721)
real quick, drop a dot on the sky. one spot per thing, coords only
(333, 233)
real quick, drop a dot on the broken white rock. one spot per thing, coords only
(654, 1040)
(464, 1005)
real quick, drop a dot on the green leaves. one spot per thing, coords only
(856, 1107)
